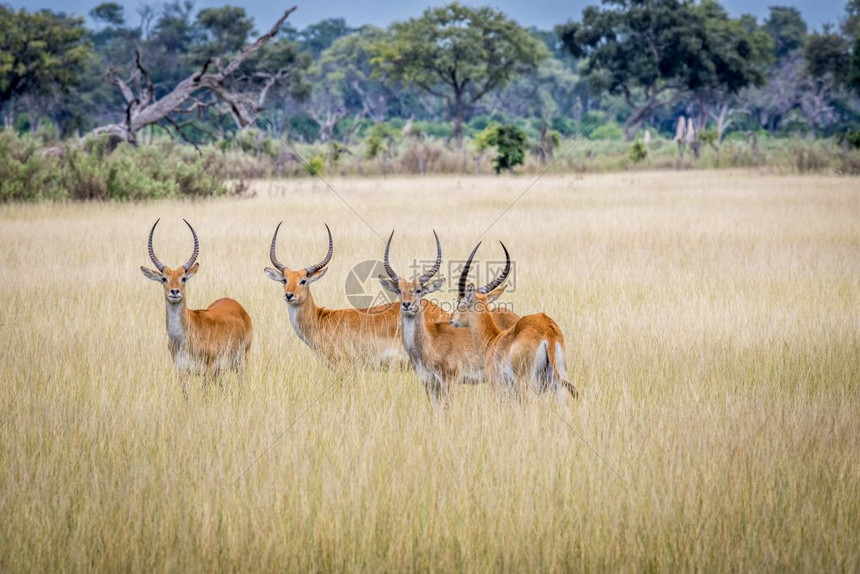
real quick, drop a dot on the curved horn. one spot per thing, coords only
(429, 275)
(314, 268)
(196, 251)
(385, 262)
(498, 280)
(155, 261)
(278, 265)
(464, 275)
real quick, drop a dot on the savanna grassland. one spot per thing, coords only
(713, 329)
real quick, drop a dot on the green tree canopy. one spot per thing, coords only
(318, 37)
(224, 30)
(458, 53)
(656, 52)
(787, 28)
(827, 56)
(108, 13)
(42, 54)
(345, 72)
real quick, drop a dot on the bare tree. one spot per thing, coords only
(212, 84)
(723, 115)
(815, 105)
(769, 104)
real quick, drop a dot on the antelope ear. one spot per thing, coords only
(496, 293)
(318, 275)
(434, 286)
(194, 269)
(151, 274)
(389, 285)
(275, 275)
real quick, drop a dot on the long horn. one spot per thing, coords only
(498, 280)
(464, 275)
(196, 251)
(429, 275)
(385, 262)
(280, 266)
(155, 261)
(314, 268)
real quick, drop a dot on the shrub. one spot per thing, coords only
(709, 137)
(565, 126)
(440, 130)
(510, 144)
(252, 141)
(315, 165)
(811, 159)
(382, 138)
(88, 172)
(606, 131)
(24, 172)
(851, 138)
(638, 151)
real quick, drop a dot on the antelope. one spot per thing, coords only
(440, 353)
(531, 352)
(199, 339)
(340, 334)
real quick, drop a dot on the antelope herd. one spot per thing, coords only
(477, 343)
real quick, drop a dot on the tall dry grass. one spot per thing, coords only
(712, 326)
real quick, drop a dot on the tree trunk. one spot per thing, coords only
(458, 119)
(634, 122)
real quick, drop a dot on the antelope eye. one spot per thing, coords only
(184, 279)
(303, 281)
(164, 279)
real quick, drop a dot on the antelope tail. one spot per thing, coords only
(556, 368)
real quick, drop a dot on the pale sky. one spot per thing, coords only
(541, 13)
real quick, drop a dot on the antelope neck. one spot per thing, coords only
(177, 320)
(304, 317)
(484, 330)
(414, 333)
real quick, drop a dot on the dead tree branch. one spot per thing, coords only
(143, 109)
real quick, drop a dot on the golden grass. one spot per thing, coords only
(712, 324)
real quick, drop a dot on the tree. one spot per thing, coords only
(634, 49)
(343, 85)
(108, 13)
(42, 54)
(656, 52)
(318, 37)
(828, 64)
(736, 54)
(550, 90)
(223, 31)
(787, 28)
(243, 91)
(459, 54)
(769, 104)
(854, 74)
(851, 30)
(346, 64)
(827, 55)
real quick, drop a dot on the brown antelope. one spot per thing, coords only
(528, 354)
(205, 340)
(441, 354)
(340, 334)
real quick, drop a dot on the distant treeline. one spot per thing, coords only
(447, 74)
